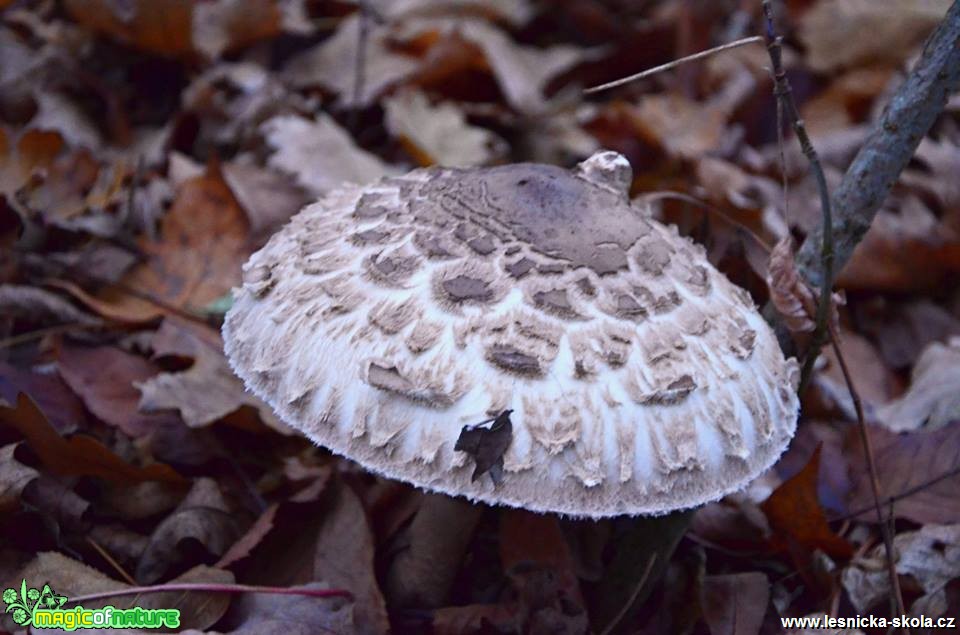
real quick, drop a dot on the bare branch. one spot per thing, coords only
(889, 147)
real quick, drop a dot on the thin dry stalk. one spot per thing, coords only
(756, 39)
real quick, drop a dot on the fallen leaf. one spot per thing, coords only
(271, 614)
(208, 390)
(902, 331)
(53, 397)
(906, 462)
(898, 245)
(71, 578)
(33, 153)
(736, 603)
(344, 559)
(226, 25)
(330, 63)
(57, 502)
(14, 476)
(522, 72)
(933, 399)
(242, 547)
(158, 26)
(439, 134)
(874, 382)
(474, 618)
(320, 153)
(895, 27)
(487, 445)
(682, 127)
(942, 162)
(196, 259)
(931, 556)
(268, 198)
(794, 299)
(79, 455)
(202, 519)
(796, 517)
(515, 12)
(106, 378)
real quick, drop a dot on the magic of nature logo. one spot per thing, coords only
(43, 608)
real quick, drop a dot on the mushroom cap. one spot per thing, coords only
(384, 318)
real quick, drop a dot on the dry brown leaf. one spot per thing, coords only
(158, 26)
(897, 246)
(268, 198)
(515, 12)
(942, 160)
(330, 63)
(32, 152)
(39, 306)
(931, 556)
(106, 378)
(205, 392)
(79, 455)
(271, 614)
(344, 559)
(203, 518)
(522, 72)
(907, 462)
(439, 133)
(225, 25)
(69, 577)
(789, 293)
(320, 153)
(246, 543)
(56, 401)
(735, 604)
(14, 476)
(682, 127)
(797, 518)
(195, 261)
(894, 28)
(933, 399)
(874, 382)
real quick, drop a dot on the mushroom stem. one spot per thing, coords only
(422, 574)
(644, 546)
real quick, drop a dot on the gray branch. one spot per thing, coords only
(889, 147)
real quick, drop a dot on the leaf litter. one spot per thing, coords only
(147, 148)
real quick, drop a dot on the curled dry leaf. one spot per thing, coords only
(203, 518)
(439, 134)
(791, 295)
(320, 153)
(933, 399)
(41, 306)
(14, 476)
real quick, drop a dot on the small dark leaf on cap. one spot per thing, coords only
(487, 445)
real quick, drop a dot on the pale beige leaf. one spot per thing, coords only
(793, 299)
(320, 153)
(894, 28)
(439, 133)
(933, 399)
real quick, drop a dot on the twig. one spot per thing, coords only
(889, 146)
(212, 588)
(360, 64)
(756, 39)
(885, 529)
(902, 495)
(633, 596)
(110, 560)
(785, 97)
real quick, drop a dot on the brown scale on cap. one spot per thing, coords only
(382, 319)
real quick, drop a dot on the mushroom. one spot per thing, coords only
(388, 321)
